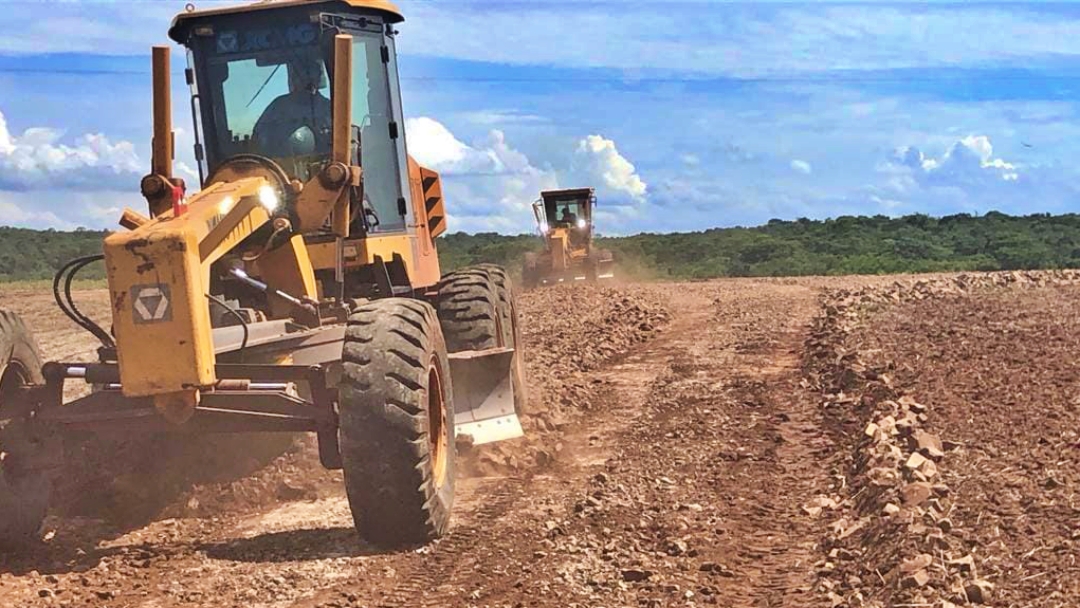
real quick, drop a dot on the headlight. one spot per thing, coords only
(544, 227)
(580, 223)
(268, 198)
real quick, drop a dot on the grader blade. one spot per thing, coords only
(484, 395)
(606, 270)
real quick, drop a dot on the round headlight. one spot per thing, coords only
(268, 198)
(580, 223)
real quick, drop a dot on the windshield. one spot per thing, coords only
(266, 91)
(565, 212)
(268, 94)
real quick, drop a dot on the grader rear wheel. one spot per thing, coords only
(478, 310)
(468, 309)
(396, 415)
(24, 481)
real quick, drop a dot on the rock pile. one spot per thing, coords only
(891, 539)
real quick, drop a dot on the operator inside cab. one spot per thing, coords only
(568, 217)
(299, 122)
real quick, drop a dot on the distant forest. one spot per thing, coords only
(845, 245)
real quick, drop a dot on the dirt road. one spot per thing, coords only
(688, 444)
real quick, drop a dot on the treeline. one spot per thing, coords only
(844, 245)
(37, 254)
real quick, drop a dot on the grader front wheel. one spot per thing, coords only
(24, 481)
(396, 416)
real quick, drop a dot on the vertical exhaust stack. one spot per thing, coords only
(162, 161)
(158, 187)
(341, 104)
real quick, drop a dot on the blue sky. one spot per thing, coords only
(684, 114)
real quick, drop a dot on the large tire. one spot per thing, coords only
(396, 415)
(506, 306)
(25, 483)
(468, 310)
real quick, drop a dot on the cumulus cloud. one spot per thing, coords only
(969, 177)
(490, 185)
(968, 162)
(597, 156)
(801, 166)
(37, 159)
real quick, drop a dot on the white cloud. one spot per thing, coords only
(801, 166)
(433, 145)
(13, 214)
(67, 209)
(503, 117)
(745, 39)
(88, 27)
(184, 170)
(690, 160)
(597, 156)
(490, 185)
(969, 177)
(968, 161)
(725, 38)
(37, 159)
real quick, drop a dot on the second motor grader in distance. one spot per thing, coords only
(564, 219)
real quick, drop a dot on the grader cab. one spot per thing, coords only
(564, 219)
(298, 290)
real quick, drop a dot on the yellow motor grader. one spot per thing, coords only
(298, 290)
(564, 219)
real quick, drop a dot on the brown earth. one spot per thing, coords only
(999, 378)
(688, 444)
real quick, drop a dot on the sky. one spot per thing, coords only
(684, 115)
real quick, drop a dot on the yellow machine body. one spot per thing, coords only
(158, 276)
(284, 232)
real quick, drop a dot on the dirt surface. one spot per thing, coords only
(998, 376)
(791, 442)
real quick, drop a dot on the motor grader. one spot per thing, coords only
(298, 290)
(564, 219)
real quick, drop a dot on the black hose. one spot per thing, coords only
(239, 317)
(87, 321)
(67, 304)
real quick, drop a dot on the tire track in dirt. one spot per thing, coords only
(683, 486)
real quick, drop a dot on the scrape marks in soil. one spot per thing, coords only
(708, 457)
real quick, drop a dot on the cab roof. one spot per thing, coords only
(183, 21)
(566, 193)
